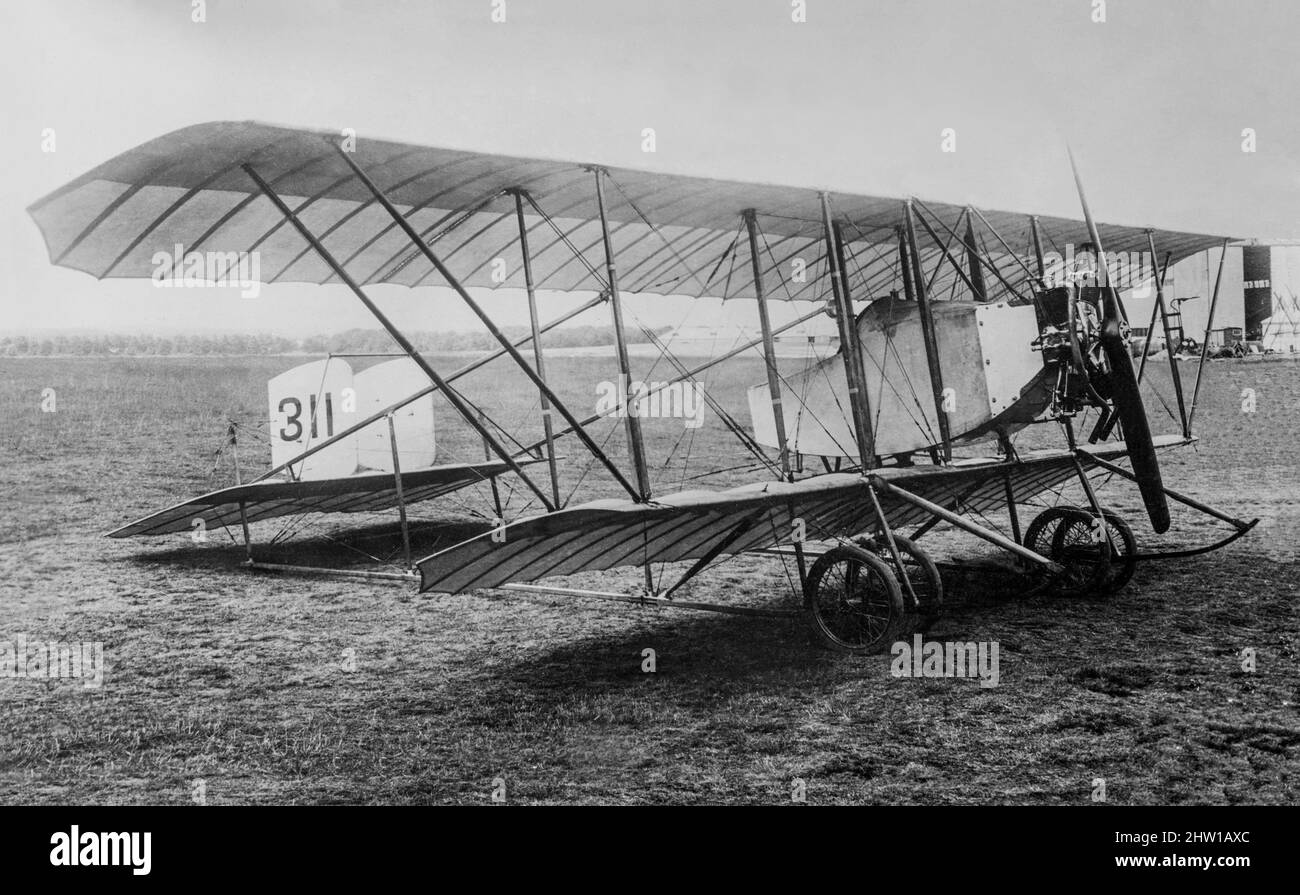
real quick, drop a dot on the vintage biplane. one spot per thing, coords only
(954, 335)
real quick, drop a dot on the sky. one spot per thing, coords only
(1154, 101)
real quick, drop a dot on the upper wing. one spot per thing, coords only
(673, 234)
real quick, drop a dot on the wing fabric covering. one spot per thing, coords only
(363, 493)
(608, 534)
(185, 196)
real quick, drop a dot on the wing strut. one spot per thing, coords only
(714, 552)
(769, 347)
(947, 255)
(993, 537)
(998, 236)
(452, 396)
(1107, 421)
(853, 370)
(1205, 343)
(405, 226)
(1038, 250)
(1169, 343)
(401, 497)
(997, 274)
(973, 260)
(635, 443)
(1158, 283)
(927, 326)
(538, 354)
(938, 267)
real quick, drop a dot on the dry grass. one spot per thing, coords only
(241, 680)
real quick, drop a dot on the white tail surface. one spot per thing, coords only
(380, 386)
(309, 404)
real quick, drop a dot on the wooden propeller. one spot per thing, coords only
(1126, 393)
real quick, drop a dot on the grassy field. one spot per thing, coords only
(268, 689)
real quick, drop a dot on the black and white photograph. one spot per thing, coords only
(648, 402)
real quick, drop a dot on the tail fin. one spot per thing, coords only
(309, 404)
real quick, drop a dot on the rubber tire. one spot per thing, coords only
(1092, 582)
(925, 572)
(1121, 569)
(1034, 539)
(893, 595)
(1041, 580)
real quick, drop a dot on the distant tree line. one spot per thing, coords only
(358, 340)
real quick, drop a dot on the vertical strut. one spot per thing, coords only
(1011, 253)
(837, 241)
(1157, 283)
(243, 508)
(496, 490)
(943, 248)
(538, 359)
(453, 397)
(972, 261)
(635, 443)
(1209, 323)
(849, 343)
(773, 377)
(927, 331)
(984, 262)
(905, 264)
(1108, 422)
(1011, 508)
(1094, 502)
(401, 497)
(769, 346)
(1038, 249)
(888, 534)
(1169, 343)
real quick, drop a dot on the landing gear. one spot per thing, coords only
(853, 601)
(922, 574)
(1073, 538)
(1121, 548)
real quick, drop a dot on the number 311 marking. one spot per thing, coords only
(294, 418)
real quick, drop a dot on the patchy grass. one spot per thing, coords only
(243, 681)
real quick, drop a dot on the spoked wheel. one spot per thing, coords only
(1066, 536)
(1121, 548)
(854, 602)
(922, 574)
